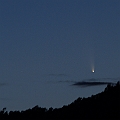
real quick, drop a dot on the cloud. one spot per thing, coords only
(4, 99)
(87, 84)
(96, 82)
(103, 79)
(67, 81)
(92, 81)
(58, 75)
(2, 84)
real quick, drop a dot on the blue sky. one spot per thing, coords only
(43, 42)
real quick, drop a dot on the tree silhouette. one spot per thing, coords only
(104, 105)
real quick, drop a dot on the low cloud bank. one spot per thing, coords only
(86, 84)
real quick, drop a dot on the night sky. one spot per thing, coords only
(47, 45)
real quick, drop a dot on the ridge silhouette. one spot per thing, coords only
(104, 105)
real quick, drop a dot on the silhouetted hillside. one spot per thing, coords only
(105, 105)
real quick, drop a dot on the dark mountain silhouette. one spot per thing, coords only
(105, 105)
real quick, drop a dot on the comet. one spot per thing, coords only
(93, 71)
(92, 60)
(92, 68)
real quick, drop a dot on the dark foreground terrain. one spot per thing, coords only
(105, 105)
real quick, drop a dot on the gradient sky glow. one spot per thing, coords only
(43, 42)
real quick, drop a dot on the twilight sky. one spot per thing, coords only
(47, 45)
